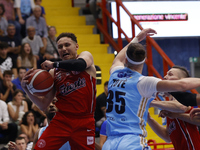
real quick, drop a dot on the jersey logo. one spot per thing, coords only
(90, 140)
(124, 74)
(172, 127)
(41, 143)
(67, 88)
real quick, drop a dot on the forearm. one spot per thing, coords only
(186, 117)
(41, 102)
(19, 13)
(185, 98)
(74, 64)
(160, 130)
(173, 106)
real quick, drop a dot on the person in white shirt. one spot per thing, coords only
(8, 131)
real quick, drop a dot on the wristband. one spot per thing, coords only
(134, 40)
(56, 64)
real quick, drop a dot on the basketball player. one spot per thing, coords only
(130, 94)
(50, 113)
(75, 89)
(180, 130)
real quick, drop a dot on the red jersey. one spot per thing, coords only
(184, 136)
(76, 92)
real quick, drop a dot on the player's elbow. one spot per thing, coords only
(182, 86)
(167, 140)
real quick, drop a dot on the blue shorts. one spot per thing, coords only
(127, 142)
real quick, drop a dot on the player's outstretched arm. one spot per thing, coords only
(182, 116)
(43, 101)
(183, 84)
(120, 58)
(173, 106)
(195, 113)
(160, 130)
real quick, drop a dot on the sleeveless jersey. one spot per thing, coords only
(75, 92)
(183, 134)
(66, 146)
(126, 109)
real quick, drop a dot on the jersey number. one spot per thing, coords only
(118, 108)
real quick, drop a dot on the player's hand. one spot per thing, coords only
(46, 65)
(194, 112)
(144, 33)
(25, 79)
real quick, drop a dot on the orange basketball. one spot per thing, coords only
(40, 82)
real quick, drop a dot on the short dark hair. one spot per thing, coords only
(7, 72)
(183, 69)
(106, 83)
(20, 138)
(3, 45)
(3, 8)
(136, 52)
(67, 34)
(24, 68)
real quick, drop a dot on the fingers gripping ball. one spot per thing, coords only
(40, 82)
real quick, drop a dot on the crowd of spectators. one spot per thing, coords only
(25, 42)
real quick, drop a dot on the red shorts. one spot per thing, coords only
(80, 132)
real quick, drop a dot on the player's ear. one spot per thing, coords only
(77, 46)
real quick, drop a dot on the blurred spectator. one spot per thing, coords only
(6, 62)
(10, 15)
(13, 41)
(51, 52)
(100, 112)
(38, 2)
(17, 107)
(39, 24)
(23, 9)
(26, 58)
(6, 86)
(35, 42)
(28, 143)
(7, 130)
(50, 113)
(29, 125)
(40, 115)
(17, 81)
(3, 21)
(19, 144)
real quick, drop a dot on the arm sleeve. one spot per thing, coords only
(147, 86)
(72, 65)
(185, 98)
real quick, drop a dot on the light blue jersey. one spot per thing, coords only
(126, 110)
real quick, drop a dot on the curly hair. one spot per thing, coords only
(24, 118)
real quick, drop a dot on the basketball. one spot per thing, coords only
(40, 82)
